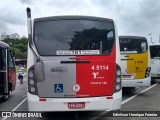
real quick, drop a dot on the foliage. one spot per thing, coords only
(18, 46)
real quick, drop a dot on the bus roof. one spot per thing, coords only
(135, 37)
(71, 18)
(3, 44)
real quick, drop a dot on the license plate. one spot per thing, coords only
(126, 76)
(77, 105)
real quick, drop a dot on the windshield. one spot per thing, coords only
(73, 37)
(132, 45)
(155, 51)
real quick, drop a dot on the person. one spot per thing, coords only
(21, 74)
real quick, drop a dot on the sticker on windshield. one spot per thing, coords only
(77, 52)
(125, 52)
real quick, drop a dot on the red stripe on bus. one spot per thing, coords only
(94, 82)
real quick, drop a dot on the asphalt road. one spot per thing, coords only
(140, 99)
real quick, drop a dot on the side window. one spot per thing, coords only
(2, 59)
(10, 60)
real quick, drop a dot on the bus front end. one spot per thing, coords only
(75, 67)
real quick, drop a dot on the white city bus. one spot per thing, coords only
(155, 61)
(73, 64)
(135, 61)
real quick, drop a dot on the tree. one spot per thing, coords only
(18, 46)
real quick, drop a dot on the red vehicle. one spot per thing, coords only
(7, 71)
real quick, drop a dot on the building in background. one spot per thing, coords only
(15, 36)
(11, 36)
(21, 62)
(4, 35)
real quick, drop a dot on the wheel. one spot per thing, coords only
(5, 97)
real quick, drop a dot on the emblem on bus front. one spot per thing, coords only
(58, 69)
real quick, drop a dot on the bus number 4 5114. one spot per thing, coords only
(100, 67)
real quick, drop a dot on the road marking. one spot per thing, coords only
(17, 107)
(19, 104)
(125, 101)
(138, 94)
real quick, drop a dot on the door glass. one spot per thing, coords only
(11, 63)
(2, 60)
(74, 37)
(3, 71)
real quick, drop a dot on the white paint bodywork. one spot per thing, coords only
(60, 104)
(155, 66)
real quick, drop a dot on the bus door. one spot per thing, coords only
(12, 70)
(4, 81)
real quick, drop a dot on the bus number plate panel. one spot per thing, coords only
(77, 105)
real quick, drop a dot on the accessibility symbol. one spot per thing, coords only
(58, 88)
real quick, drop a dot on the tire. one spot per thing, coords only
(6, 97)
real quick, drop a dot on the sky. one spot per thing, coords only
(132, 17)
